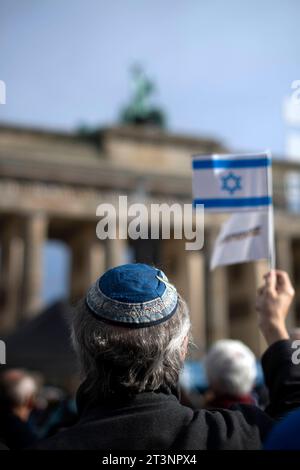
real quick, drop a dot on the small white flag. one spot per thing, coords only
(243, 237)
(232, 183)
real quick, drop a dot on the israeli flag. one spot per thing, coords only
(232, 183)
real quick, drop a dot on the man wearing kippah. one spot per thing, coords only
(131, 333)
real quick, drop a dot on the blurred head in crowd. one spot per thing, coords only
(230, 368)
(17, 393)
(131, 332)
(295, 334)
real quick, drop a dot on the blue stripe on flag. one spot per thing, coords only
(240, 163)
(238, 202)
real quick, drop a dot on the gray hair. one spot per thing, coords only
(230, 368)
(117, 359)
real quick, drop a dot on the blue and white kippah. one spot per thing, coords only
(132, 295)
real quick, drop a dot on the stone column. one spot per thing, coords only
(116, 252)
(97, 260)
(11, 273)
(88, 261)
(35, 235)
(251, 334)
(285, 262)
(196, 299)
(186, 270)
(217, 296)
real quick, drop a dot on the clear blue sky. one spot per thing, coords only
(222, 67)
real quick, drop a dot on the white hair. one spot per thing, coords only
(230, 368)
(118, 359)
(24, 390)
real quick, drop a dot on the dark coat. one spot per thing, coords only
(14, 432)
(152, 420)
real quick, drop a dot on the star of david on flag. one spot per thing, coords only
(232, 183)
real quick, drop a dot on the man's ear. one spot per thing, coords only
(184, 348)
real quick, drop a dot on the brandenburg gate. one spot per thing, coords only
(51, 184)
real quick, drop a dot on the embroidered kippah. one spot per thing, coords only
(132, 295)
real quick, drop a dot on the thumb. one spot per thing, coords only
(284, 283)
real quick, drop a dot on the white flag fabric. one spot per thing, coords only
(232, 183)
(243, 237)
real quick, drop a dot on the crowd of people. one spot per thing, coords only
(132, 336)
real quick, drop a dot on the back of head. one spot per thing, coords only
(129, 332)
(17, 389)
(230, 368)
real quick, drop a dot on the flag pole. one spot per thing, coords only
(272, 254)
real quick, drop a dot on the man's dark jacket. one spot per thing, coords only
(156, 420)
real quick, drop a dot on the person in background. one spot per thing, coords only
(295, 334)
(54, 410)
(286, 434)
(231, 372)
(17, 398)
(131, 333)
